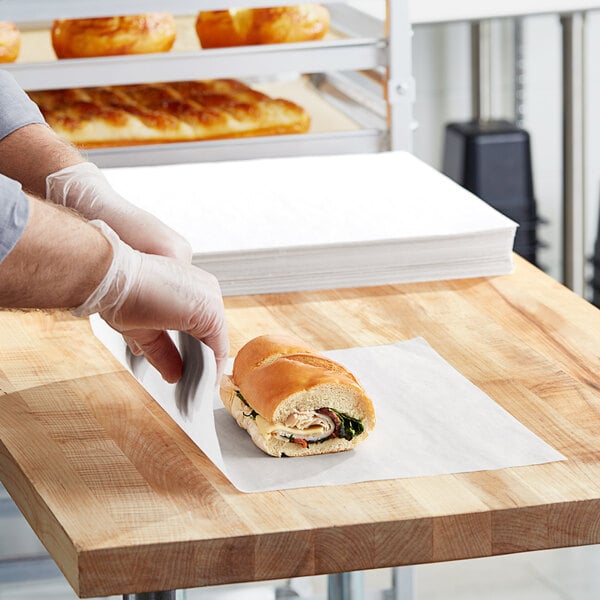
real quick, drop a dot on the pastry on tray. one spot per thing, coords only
(111, 36)
(10, 42)
(99, 117)
(252, 26)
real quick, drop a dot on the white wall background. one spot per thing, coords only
(441, 66)
(441, 59)
(441, 63)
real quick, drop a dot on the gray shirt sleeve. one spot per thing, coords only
(16, 108)
(14, 214)
(16, 111)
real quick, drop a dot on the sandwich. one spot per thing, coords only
(294, 401)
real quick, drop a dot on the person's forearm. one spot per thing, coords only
(29, 149)
(33, 152)
(58, 261)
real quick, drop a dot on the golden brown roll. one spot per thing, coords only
(10, 42)
(135, 34)
(252, 26)
(293, 401)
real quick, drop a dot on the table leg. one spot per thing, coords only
(286, 591)
(168, 595)
(402, 584)
(345, 586)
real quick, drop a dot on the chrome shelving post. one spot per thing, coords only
(400, 89)
(573, 73)
(481, 70)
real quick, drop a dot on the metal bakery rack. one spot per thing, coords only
(362, 70)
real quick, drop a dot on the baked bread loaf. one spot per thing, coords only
(10, 42)
(251, 26)
(99, 117)
(293, 401)
(110, 36)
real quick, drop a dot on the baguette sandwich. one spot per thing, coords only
(294, 401)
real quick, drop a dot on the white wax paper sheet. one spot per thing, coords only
(430, 421)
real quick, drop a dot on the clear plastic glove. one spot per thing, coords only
(142, 296)
(84, 188)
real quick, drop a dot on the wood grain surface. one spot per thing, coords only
(125, 502)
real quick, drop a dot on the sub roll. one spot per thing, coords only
(294, 401)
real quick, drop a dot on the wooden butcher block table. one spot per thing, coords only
(126, 503)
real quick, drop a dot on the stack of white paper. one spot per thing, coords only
(274, 225)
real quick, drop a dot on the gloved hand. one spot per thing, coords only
(84, 188)
(142, 296)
